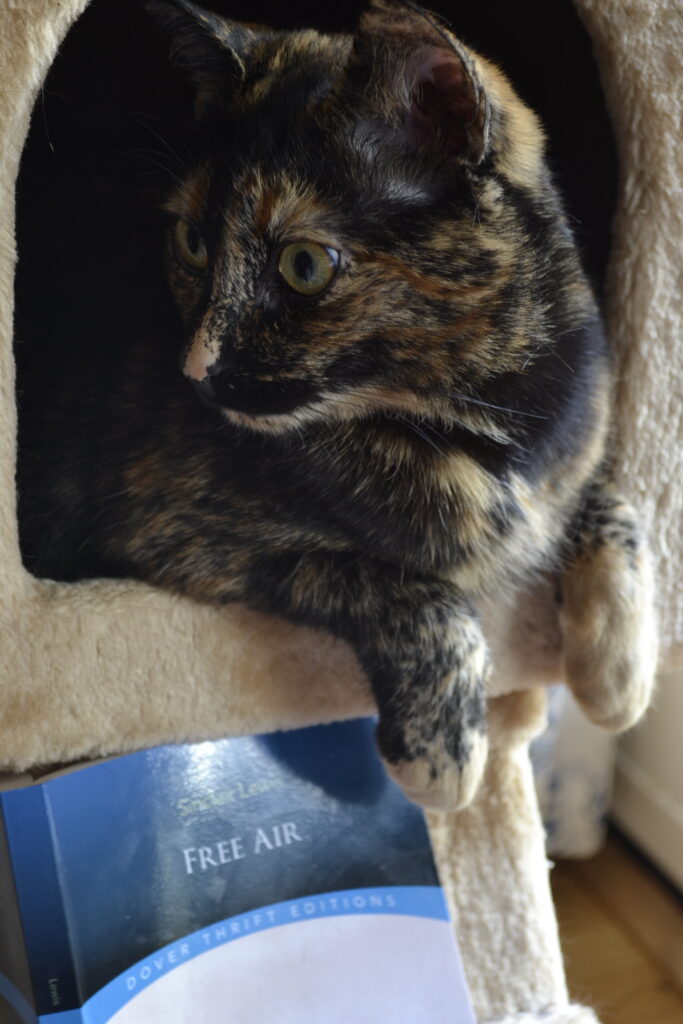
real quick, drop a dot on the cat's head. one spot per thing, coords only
(354, 231)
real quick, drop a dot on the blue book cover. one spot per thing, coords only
(277, 879)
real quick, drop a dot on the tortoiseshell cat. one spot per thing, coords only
(404, 382)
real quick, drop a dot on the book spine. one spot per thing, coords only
(40, 898)
(16, 1005)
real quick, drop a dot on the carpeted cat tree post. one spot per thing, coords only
(105, 667)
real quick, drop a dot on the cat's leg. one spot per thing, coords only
(424, 654)
(429, 674)
(608, 618)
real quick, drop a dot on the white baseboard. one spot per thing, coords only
(650, 816)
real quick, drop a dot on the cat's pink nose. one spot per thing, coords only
(197, 362)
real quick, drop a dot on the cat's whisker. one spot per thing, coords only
(154, 157)
(403, 418)
(45, 124)
(418, 422)
(141, 117)
(563, 361)
(420, 433)
(469, 400)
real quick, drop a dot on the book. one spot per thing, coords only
(276, 879)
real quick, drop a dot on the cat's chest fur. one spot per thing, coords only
(392, 491)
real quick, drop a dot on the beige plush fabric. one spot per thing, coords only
(639, 44)
(101, 667)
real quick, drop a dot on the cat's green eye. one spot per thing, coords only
(307, 267)
(190, 246)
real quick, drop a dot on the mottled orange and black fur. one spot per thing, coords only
(375, 459)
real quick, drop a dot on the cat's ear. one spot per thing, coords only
(421, 79)
(211, 51)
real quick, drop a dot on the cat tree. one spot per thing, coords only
(106, 666)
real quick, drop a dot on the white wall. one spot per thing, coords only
(648, 793)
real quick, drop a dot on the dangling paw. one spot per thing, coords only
(608, 618)
(436, 748)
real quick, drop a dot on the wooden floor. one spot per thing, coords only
(622, 963)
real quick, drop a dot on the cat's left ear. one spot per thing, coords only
(421, 79)
(209, 50)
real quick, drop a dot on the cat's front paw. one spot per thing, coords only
(433, 738)
(428, 663)
(437, 780)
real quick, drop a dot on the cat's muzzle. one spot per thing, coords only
(254, 397)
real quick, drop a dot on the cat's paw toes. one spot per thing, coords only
(438, 781)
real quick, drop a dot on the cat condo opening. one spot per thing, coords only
(100, 394)
(104, 147)
(99, 666)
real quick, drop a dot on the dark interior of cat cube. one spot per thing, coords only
(106, 141)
